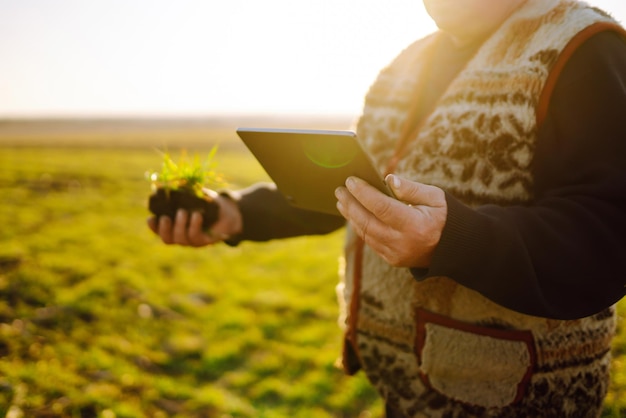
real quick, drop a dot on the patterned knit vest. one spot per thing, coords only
(435, 348)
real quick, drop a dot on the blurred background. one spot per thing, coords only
(195, 57)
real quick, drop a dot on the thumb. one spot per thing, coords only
(414, 193)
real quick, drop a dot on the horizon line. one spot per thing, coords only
(171, 115)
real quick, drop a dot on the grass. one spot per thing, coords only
(100, 319)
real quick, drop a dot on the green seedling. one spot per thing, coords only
(187, 174)
(182, 185)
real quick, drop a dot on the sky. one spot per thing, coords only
(201, 57)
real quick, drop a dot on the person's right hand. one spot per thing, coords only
(186, 228)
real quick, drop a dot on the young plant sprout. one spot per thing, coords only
(182, 185)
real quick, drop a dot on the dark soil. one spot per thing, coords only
(167, 202)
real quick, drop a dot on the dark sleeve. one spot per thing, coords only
(564, 256)
(267, 215)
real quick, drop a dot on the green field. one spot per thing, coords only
(99, 319)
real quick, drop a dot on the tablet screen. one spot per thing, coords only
(308, 165)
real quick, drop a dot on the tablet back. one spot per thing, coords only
(308, 165)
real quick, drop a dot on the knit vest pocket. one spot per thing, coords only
(483, 366)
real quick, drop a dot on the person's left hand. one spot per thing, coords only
(404, 232)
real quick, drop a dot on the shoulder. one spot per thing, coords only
(599, 59)
(605, 49)
(595, 55)
(414, 51)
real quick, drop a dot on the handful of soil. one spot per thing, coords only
(165, 202)
(180, 185)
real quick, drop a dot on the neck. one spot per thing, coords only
(471, 34)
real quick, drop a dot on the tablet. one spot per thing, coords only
(308, 165)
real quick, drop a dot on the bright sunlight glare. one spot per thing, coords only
(186, 57)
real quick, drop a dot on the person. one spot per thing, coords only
(487, 288)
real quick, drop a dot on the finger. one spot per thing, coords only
(196, 235)
(364, 223)
(415, 193)
(387, 209)
(378, 236)
(152, 224)
(396, 241)
(342, 195)
(165, 229)
(222, 227)
(347, 204)
(179, 232)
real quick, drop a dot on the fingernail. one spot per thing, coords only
(393, 181)
(351, 182)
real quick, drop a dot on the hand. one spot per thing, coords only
(404, 232)
(186, 228)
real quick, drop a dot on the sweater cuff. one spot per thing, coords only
(459, 239)
(267, 215)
